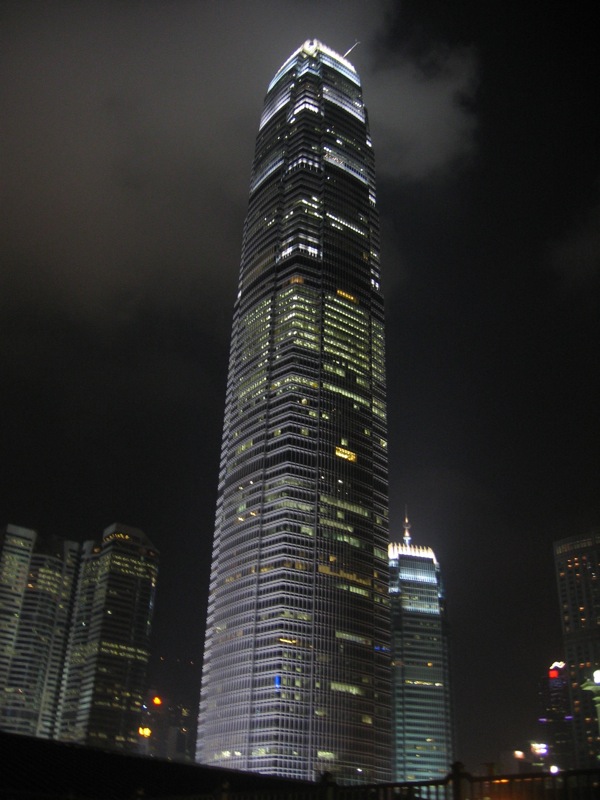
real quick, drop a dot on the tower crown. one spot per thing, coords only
(314, 48)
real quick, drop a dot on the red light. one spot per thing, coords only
(553, 673)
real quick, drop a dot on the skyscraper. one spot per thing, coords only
(104, 680)
(36, 584)
(577, 562)
(74, 635)
(422, 720)
(296, 665)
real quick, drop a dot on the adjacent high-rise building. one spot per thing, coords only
(36, 585)
(577, 562)
(74, 635)
(422, 735)
(104, 681)
(296, 677)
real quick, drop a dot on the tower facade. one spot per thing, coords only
(421, 700)
(296, 665)
(36, 584)
(104, 680)
(74, 635)
(577, 562)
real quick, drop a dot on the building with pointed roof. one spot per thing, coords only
(422, 729)
(296, 676)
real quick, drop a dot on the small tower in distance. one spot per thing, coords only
(422, 738)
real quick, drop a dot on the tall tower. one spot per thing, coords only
(422, 721)
(296, 665)
(74, 635)
(36, 584)
(577, 562)
(104, 680)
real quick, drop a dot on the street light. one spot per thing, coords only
(594, 687)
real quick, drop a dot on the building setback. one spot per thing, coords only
(577, 562)
(421, 698)
(296, 677)
(75, 652)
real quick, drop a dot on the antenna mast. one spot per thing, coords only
(347, 53)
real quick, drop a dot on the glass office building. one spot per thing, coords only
(422, 719)
(74, 635)
(296, 677)
(37, 577)
(104, 678)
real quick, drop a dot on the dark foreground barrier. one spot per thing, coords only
(37, 769)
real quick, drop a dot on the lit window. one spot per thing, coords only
(347, 455)
(347, 296)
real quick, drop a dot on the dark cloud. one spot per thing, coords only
(576, 257)
(131, 129)
(423, 121)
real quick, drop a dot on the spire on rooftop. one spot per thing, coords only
(406, 526)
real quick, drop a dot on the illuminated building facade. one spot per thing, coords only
(104, 683)
(577, 562)
(422, 720)
(74, 635)
(296, 678)
(556, 720)
(36, 583)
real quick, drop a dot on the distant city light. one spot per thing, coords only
(539, 748)
(157, 700)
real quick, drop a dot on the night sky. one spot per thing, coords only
(127, 140)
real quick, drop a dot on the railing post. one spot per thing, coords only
(326, 787)
(457, 773)
(223, 792)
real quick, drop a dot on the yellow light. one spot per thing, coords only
(157, 701)
(347, 455)
(145, 732)
(347, 296)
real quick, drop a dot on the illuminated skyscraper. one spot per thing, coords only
(104, 681)
(36, 584)
(296, 675)
(74, 635)
(577, 562)
(422, 720)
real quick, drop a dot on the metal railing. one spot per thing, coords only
(458, 785)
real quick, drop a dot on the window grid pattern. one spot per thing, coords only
(36, 581)
(422, 720)
(296, 677)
